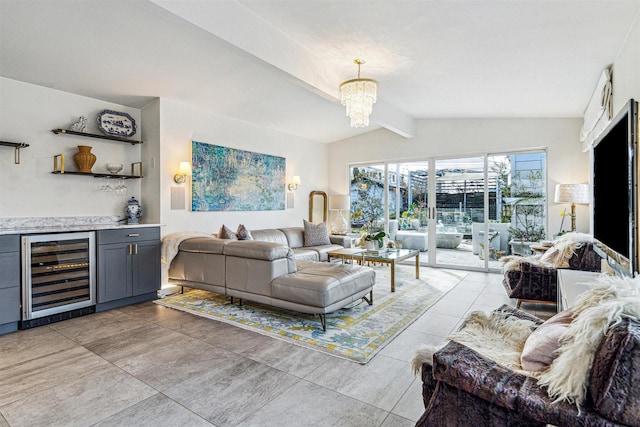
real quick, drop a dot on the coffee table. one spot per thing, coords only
(391, 257)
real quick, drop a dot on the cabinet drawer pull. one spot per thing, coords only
(133, 235)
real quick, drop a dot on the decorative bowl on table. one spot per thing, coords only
(114, 168)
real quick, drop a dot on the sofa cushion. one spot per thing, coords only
(315, 234)
(321, 284)
(226, 233)
(243, 233)
(209, 245)
(257, 250)
(270, 235)
(615, 374)
(294, 235)
(539, 349)
(306, 254)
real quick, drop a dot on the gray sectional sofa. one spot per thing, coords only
(274, 269)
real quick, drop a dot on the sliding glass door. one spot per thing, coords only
(460, 212)
(459, 201)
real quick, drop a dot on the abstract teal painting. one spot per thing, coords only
(228, 179)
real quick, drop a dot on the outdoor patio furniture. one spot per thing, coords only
(500, 242)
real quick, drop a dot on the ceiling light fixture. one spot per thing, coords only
(358, 95)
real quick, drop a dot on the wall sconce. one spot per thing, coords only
(183, 172)
(293, 185)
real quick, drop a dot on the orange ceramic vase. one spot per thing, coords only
(84, 158)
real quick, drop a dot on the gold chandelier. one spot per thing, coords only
(358, 95)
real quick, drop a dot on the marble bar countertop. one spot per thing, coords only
(43, 225)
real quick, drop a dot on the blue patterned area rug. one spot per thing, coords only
(355, 333)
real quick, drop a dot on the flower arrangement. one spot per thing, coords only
(563, 214)
(377, 237)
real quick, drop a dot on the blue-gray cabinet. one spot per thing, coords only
(128, 266)
(9, 282)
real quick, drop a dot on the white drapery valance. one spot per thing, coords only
(599, 111)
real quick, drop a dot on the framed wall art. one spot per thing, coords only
(228, 179)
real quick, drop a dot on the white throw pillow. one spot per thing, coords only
(541, 346)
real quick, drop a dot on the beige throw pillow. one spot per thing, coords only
(540, 348)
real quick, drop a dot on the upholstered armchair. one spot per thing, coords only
(462, 387)
(535, 278)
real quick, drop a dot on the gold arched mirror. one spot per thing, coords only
(318, 206)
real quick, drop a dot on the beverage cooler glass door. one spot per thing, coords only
(58, 273)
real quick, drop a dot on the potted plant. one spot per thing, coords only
(374, 241)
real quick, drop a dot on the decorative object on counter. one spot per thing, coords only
(84, 158)
(116, 123)
(79, 125)
(133, 211)
(114, 168)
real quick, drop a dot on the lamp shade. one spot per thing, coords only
(572, 193)
(185, 168)
(339, 202)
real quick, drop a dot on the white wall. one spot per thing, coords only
(626, 69)
(151, 158)
(180, 124)
(28, 113)
(566, 163)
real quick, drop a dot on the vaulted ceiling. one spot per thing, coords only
(278, 63)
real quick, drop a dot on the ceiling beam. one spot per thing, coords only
(241, 27)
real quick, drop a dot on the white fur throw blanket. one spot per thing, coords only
(610, 299)
(564, 247)
(497, 336)
(171, 243)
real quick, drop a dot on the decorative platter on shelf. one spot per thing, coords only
(116, 123)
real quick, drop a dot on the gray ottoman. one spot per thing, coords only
(320, 288)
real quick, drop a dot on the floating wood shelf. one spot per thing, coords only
(17, 146)
(58, 168)
(98, 175)
(95, 135)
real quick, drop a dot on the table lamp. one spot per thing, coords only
(572, 193)
(339, 203)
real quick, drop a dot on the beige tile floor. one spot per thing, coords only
(147, 365)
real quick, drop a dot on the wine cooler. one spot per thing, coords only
(58, 277)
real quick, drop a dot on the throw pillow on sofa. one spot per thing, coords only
(315, 234)
(243, 233)
(539, 349)
(226, 233)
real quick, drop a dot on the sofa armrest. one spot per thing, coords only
(532, 282)
(520, 314)
(344, 241)
(465, 369)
